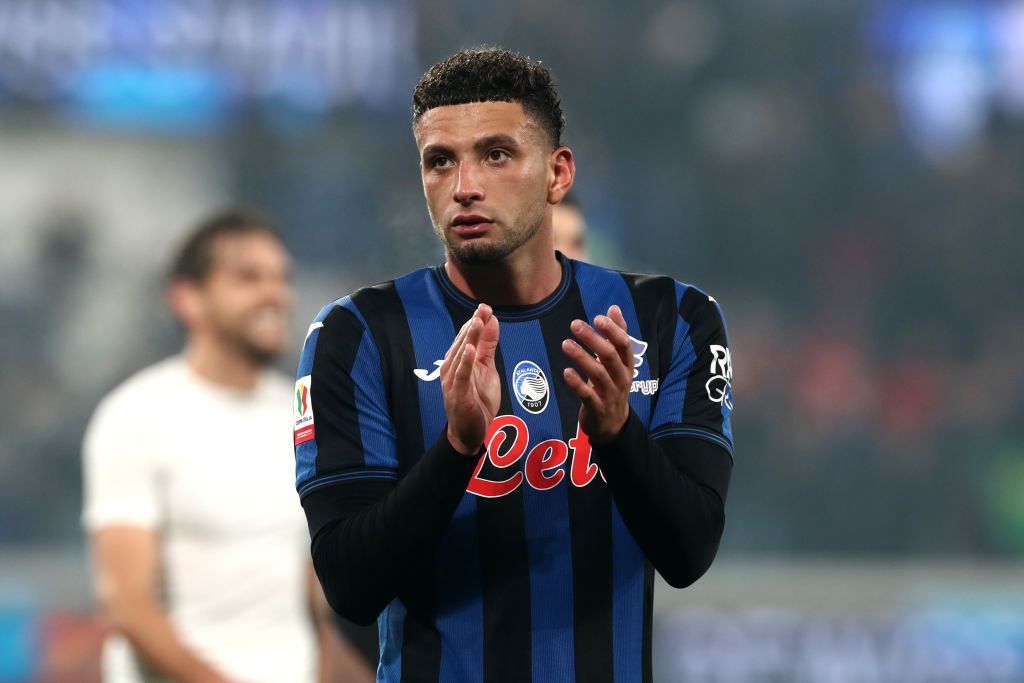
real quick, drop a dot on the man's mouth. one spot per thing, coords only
(268, 318)
(467, 225)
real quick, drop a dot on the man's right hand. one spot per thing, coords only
(127, 561)
(470, 381)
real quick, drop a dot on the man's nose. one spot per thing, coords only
(277, 291)
(468, 188)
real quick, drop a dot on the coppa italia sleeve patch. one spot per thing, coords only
(303, 411)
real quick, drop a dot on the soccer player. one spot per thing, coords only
(569, 229)
(486, 472)
(199, 546)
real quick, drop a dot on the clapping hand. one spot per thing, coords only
(608, 366)
(470, 381)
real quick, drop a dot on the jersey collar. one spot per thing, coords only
(512, 313)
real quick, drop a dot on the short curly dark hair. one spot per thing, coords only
(492, 74)
(195, 256)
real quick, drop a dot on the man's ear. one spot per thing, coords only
(563, 172)
(185, 302)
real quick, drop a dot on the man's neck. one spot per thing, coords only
(219, 365)
(520, 279)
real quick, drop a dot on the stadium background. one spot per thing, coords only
(845, 177)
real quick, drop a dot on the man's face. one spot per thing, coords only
(486, 171)
(246, 297)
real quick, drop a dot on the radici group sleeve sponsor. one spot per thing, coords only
(696, 392)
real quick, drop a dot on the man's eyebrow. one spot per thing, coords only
(500, 139)
(437, 150)
(485, 143)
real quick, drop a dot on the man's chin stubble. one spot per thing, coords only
(478, 256)
(256, 353)
(478, 252)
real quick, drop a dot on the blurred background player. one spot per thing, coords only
(199, 546)
(569, 228)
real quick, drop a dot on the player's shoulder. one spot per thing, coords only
(698, 307)
(138, 399)
(658, 292)
(273, 381)
(154, 381)
(378, 300)
(644, 286)
(591, 273)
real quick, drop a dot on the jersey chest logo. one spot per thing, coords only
(429, 375)
(530, 386)
(545, 465)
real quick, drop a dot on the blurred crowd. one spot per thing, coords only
(762, 151)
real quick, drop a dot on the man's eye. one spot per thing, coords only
(498, 155)
(440, 162)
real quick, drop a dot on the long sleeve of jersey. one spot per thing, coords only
(670, 480)
(374, 523)
(383, 533)
(671, 495)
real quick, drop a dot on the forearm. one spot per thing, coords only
(146, 626)
(337, 660)
(379, 537)
(673, 509)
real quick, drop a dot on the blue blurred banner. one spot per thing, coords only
(196, 64)
(952, 66)
(945, 643)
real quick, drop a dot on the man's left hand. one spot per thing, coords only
(609, 370)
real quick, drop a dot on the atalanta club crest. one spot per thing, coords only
(530, 386)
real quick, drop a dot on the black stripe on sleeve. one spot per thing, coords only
(339, 443)
(382, 308)
(706, 329)
(590, 515)
(654, 299)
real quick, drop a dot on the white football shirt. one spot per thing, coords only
(211, 470)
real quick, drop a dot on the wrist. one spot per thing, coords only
(201, 672)
(467, 449)
(606, 437)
